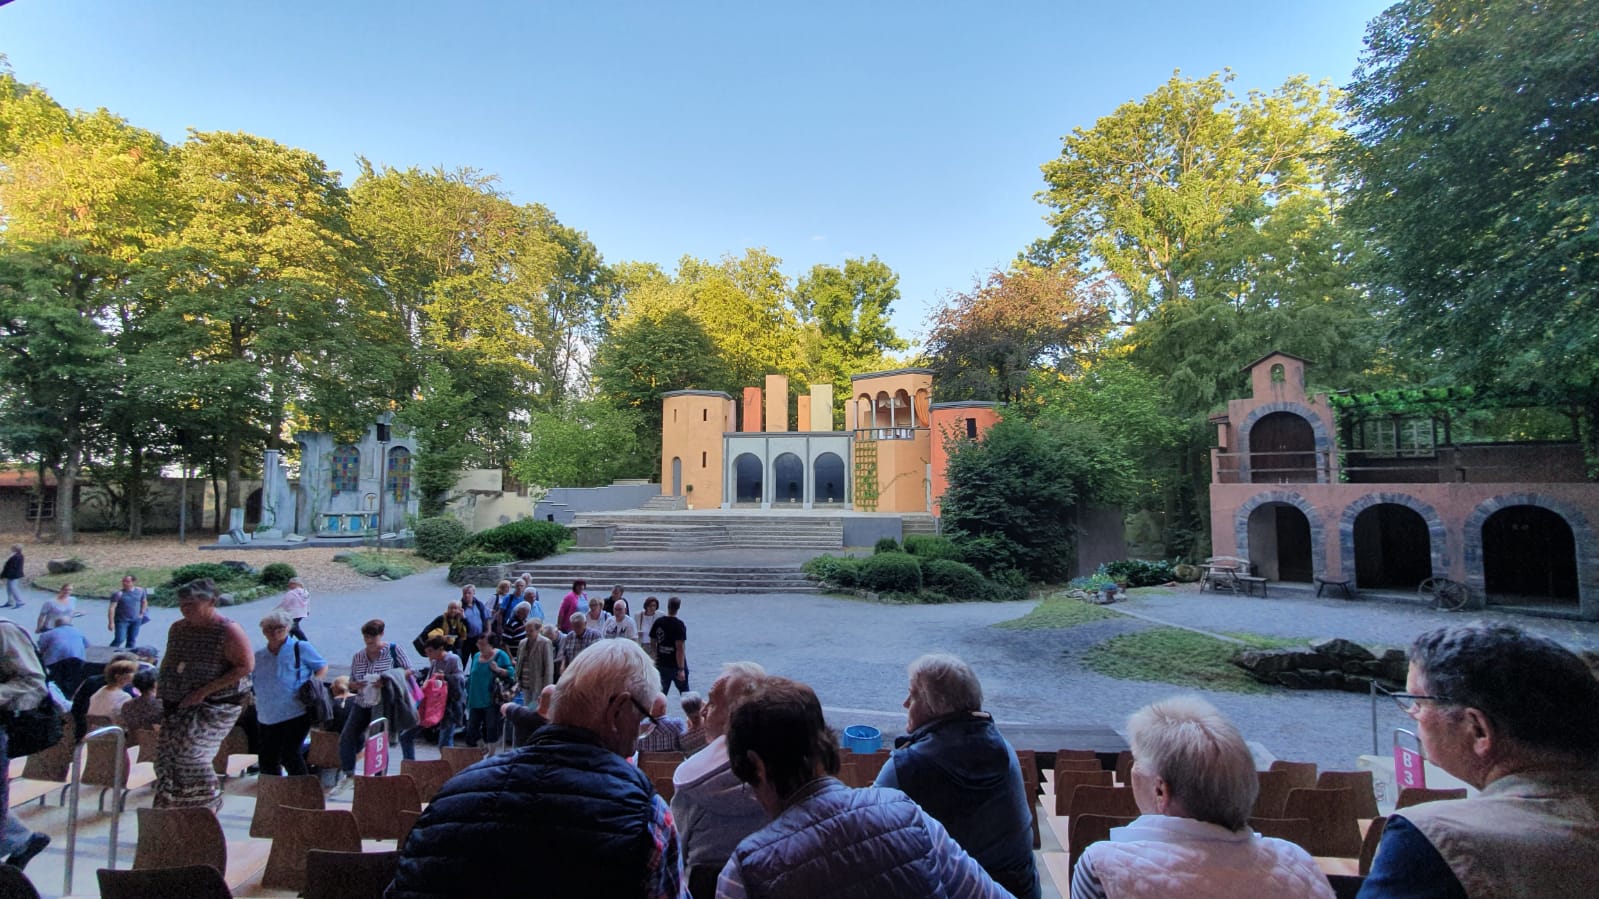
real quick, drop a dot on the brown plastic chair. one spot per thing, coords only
(462, 757)
(668, 755)
(407, 823)
(378, 802)
(663, 785)
(1116, 802)
(1274, 787)
(658, 767)
(1360, 783)
(271, 793)
(324, 751)
(1079, 754)
(848, 771)
(1027, 760)
(870, 764)
(146, 739)
(100, 770)
(348, 875)
(1078, 765)
(1368, 845)
(1086, 830)
(1068, 781)
(1298, 831)
(180, 837)
(1410, 796)
(300, 830)
(429, 776)
(54, 763)
(1332, 815)
(1301, 775)
(189, 881)
(1124, 768)
(233, 756)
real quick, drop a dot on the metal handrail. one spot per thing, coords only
(119, 777)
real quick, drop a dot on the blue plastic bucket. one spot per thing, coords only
(862, 738)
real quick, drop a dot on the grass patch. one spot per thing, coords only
(1059, 612)
(388, 563)
(1261, 641)
(1183, 658)
(101, 583)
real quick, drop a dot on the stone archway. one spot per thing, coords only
(1582, 532)
(1318, 549)
(1438, 535)
(1323, 439)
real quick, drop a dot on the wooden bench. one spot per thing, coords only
(1323, 582)
(1250, 582)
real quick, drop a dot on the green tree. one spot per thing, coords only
(441, 416)
(1477, 179)
(846, 313)
(657, 352)
(585, 443)
(984, 343)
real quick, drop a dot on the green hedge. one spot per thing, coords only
(439, 539)
(838, 571)
(1138, 573)
(277, 574)
(524, 540)
(213, 570)
(928, 547)
(887, 545)
(891, 573)
(476, 558)
(957, 580)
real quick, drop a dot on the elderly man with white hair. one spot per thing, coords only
(958, 767)
(568, 805)
(713, 809)
(1195, 783)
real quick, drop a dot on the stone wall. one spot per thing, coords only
(1334, 664)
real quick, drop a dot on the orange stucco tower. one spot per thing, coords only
(692, 425)
(951, 422)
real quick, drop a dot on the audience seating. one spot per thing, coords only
(1360, 783)
(664, 786)
(659, 767)
(1410, 796)
(1274, 787)
(100, 770)
(1331, 812)
(146, 739)
(1368, 845)
(348, 875)
(233, 756)
(1068, 781)
(1078, 754)
(1124, 768)
(1078, 765)
(324, 751)
(1299, 831)
(298, 831)
(848, 772)
(1300, 774)
(181, 837)
(408, 823)
(671, 756)
(378, 802)
(869, 764)
(297, 791)
(190, 882)
(462, 757)
(1027, 759)
(1089, 799)
(429, 775)
(46, 771)
(1087, 830)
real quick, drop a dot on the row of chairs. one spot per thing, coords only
(856, 769)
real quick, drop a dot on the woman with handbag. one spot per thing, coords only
(204, 680)
(281, 668)
(367, 669)
(444, 671)
(488, 676)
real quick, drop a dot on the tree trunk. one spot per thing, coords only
(134, 491)
(38, 520)
(66, 486)
(233, 453)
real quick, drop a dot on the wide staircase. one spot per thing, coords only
(652, 579)
(692, 531)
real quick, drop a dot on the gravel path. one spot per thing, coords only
(854, 652)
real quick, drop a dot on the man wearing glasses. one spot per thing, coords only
(567, 805)
(1517, 717)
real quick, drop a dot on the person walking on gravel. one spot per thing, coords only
(12, 572)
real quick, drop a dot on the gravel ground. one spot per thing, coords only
(854, 652)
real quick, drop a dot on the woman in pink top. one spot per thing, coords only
(572, 602)
(297, 603)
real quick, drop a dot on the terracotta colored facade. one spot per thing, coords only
(1515, 522)
(692, 425)
(955, 421)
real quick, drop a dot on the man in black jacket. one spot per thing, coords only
(12, 573)
(568, 804)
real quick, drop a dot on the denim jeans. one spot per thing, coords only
(13, 833)
(482, 725)
(12, 594)
(127, 633)
(408, 738)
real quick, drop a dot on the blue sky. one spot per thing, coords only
(819, 130)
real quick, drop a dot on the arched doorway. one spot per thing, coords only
(1529, 554)
(747, 469)
(788, 476)
(829, 478)
(1279, 543)
(1392, 547)
(252, 507)
(1282, 450)
(677, 476)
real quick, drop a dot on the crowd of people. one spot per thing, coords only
(757, 808)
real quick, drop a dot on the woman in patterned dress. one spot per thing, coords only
(204, 678)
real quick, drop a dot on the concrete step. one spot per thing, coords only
(644, 579)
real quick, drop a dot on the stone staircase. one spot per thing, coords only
(665, 503)
(645, 579)
(919, 523)
(709, 530)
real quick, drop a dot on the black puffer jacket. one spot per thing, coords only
(564, 806)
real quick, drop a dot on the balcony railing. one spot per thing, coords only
(1467, 463)
(887, 433)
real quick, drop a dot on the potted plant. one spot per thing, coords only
(688, 490)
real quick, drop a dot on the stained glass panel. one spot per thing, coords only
(346, 474)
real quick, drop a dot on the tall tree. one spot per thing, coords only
(1477, 179)
(647, 356)
(846, 311)
(984, 343)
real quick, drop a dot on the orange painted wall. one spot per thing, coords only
(691, 430)
(951, 420)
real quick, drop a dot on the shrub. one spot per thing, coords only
(476, 558)
(957, 580)
(891, 573)
(523, 540)
(989, 554)
(839, 571)
(213, 570)
(439, 539)
(927, 546)
(886, 545)
(377, 564)
(1138, 573)
(277, 574)
(1009, 585)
